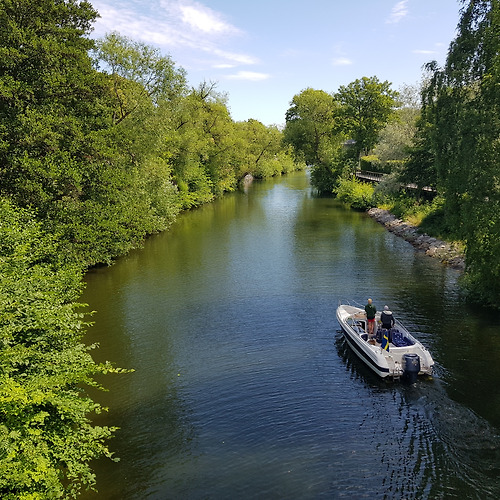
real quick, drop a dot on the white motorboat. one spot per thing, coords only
(389, 353)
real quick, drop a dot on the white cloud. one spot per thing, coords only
(174, 25)
(223, 66)
(425, 52)
(203, 19)
(342, 61)
(249, 75)
(399, 11)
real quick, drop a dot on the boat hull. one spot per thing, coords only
(377, 365)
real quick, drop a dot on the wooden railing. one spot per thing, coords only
(369, 176)
(366, 175)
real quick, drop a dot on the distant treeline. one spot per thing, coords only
(444, 135)
(101, 144)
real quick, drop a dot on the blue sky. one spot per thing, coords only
(263, 52)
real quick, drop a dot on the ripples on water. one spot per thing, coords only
(244, 387)
(430, 446)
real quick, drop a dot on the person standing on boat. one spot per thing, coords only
(387, 318)
(370, 310)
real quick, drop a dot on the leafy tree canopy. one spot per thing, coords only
(366, 106)
(140, 74)
(310, 124)
(462, 109)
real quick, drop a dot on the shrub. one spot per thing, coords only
(357, 194)
(369, 162)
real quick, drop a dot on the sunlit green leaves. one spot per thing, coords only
(366, 106)
(462, 106)
(46, 438)
(311, 124)
(95, 155)
(355, 193)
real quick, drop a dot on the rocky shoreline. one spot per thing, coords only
(447, 253)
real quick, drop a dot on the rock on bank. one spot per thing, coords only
(447, 252)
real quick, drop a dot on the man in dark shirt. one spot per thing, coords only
(370, 310)
(387, 318)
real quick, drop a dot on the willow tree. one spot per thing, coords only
(261, 149)
(462, 104)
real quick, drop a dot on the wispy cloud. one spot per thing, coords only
(425, 52)
(201, 18)
(340, 58)
(399, 11)
(249, 75)
(233, 57)
(341, 61)
(223, 66)
(174, 25)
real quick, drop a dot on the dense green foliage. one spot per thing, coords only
(366, 106)
(101, 144)
(46, 438)
(357, 194)
(458, 145)
(309, 126)
(450, 144)
(318, 125)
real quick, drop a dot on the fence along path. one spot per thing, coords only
(366, 175)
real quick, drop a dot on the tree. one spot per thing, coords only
(396, 137)
(462, 104)
(50, 98)
(51, 102)
(141, 76)
(366, 107)
(121, 189)
(198, 145)
(420, 168)
(310, 122)
(261, 146)
(46, 438)
(312, 129)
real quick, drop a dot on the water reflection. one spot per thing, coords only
(243, 388)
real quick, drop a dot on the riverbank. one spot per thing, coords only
(448, 253)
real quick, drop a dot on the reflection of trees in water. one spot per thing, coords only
(154, 437)
(357, 258)
(155, 432)
(132, 328)
(428, 445)
(217, 288)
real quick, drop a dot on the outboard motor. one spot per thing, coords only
(411, 367)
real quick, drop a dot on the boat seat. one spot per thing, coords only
(399, 340)
(358, 328)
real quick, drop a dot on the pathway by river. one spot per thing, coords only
(243, 387)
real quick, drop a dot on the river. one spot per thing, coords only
(243, 386)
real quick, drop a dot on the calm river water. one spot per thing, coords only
(243, 387)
